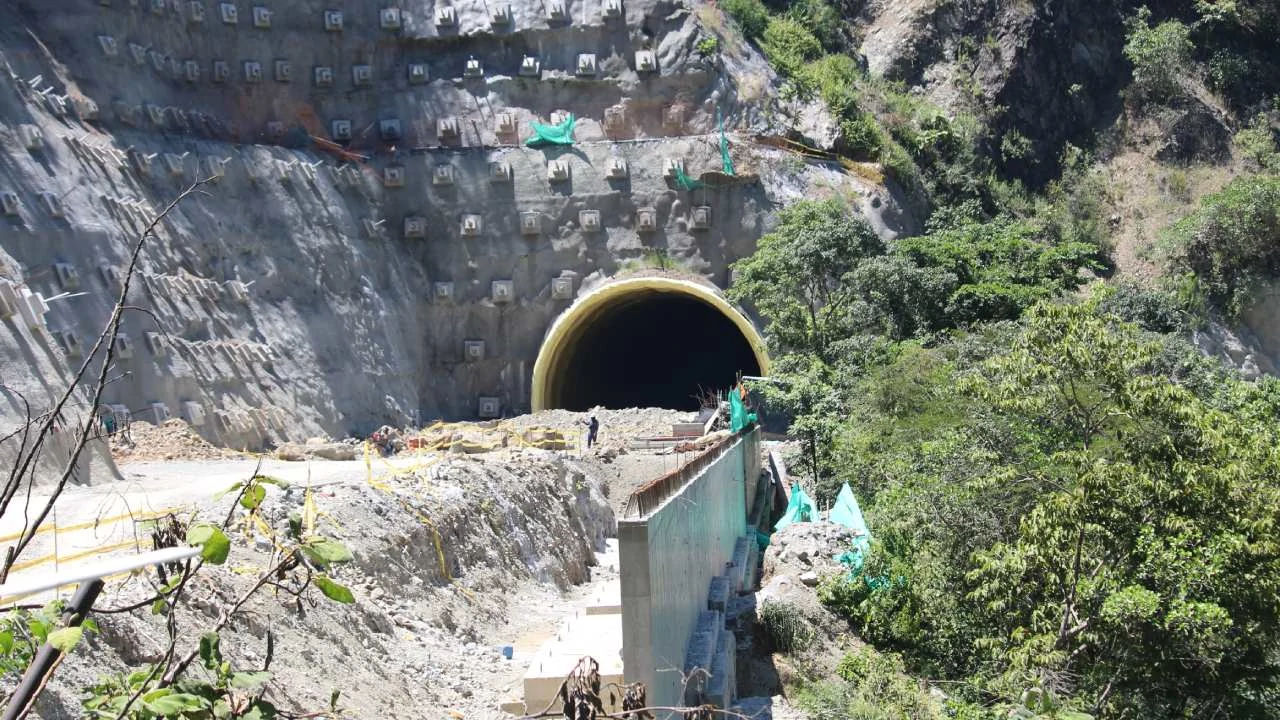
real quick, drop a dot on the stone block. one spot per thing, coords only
(69, 340)
(557, 12)
(252, 71)
(156, 343)
(68, 276)
(586, 65)
(617, 169)
(448, 129)
(389, 18)
(418, 73)
(261, 17)
(195, 11)
(415, 227)
(10, 203)
(340, 129)
(393, 176)
(193, 413)
(472, 225)
(442, 290)
(500, 15)
(502, 291)
(389, 129)
(52, 204)
(530, 223)
(718, 593)
(446, 16)
(284, 71)
(488, 407)
(32, 137)
(473, 69)
(109, 46)
(589, 220)
(646, 61)
(333, 20)
(647, 219)
(123, 347)
(700, 217)
(562, 288)
(500, 172)
(473, 350)
(442, 175)
(558, 171)
(221, 71)
(323, 76)
(612, 9)
(530, 66)
(229, 13)
(362, 75)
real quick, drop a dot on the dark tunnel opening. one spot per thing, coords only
(653, 350)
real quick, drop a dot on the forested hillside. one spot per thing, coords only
(1072, 489)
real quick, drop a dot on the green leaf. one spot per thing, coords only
(210, 650)
(6, 642)
(253, 496)
(333, 590)
(216, 544)
(261, 710)
(333, 700)
(158, 607)
(323, 551)
(173, 703)
(249, 680)
(271, 481)
(228, 491)
(65, 639)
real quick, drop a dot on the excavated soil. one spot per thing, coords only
(456, 554)
(172, 440)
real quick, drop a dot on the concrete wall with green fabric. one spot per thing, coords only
(667, 561)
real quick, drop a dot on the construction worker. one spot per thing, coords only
(593, 428)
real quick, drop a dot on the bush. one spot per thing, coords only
(708, 46)
(785, 627)
(1257, 143)
(750, 16)
(790, 46)
(1232, 243)
(1161, 56)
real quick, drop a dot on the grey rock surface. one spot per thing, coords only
(325, 286)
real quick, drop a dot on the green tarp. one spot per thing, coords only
(684, 182)
(799, 509)
(561, 134)
(739, 418)
(847, 513)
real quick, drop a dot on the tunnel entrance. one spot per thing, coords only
(645, 342)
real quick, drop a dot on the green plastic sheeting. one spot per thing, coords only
(561, 134)
(738, 415)
(847, 513)
(799, 509)
(725, 162)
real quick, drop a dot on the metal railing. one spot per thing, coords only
(649, 497)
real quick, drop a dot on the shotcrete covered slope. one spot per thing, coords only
(300, 293)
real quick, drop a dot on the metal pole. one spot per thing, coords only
(47, 657)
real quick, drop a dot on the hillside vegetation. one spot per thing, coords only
(1074, 510)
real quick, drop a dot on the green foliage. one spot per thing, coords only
(708, 46)
(1232, 242)
(1002, 267)
(22, 632)
(1161, 57)
(334, 591)
(870, 686)
(750, 16)
(226, 693)
(1047, 504)
(1258, 143)
(214, 544)
(785, 627)
(796, 276)
(789, 45)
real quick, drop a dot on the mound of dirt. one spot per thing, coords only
(172, 440)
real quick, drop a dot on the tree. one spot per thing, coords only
(1148, 576)
(1161, 56)
(1060, 525)
(797, 276)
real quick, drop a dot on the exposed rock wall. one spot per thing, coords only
(304, 293)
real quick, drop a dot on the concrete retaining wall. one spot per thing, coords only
(668, 559)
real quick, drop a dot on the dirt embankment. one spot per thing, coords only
(451, 561)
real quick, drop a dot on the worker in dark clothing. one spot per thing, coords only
(593, 427)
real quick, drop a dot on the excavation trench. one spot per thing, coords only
(645, 342)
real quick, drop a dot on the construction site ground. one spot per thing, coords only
(524, 536)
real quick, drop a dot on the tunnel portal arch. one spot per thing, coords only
(601, 349)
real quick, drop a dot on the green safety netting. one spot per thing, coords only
(684, 182)
(799, 509)
(560, 134)
(725, 162)
(738, 415)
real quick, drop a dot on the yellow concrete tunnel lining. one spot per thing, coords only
(569, 327)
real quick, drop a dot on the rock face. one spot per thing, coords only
(1046, 70)
(372, 206)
